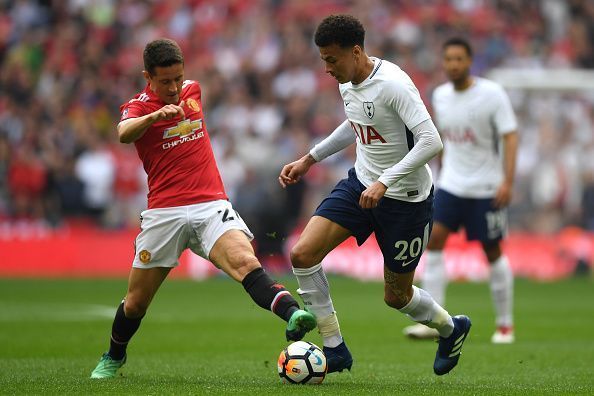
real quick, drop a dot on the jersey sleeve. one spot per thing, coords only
(428, 146)
(504, 117)
(403, 96)
(434, 97)
(132, 109)
(192, 89)
(338, 140)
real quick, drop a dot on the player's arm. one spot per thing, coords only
(133, 129)
(433, 113)
(510, 149)
(338, 140)
(507, 125)
(428, 145)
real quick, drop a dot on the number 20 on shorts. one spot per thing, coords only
(407, 251)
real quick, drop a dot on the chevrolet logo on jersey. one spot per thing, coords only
(183, 128)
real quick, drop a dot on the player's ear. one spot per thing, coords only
(149, 80)
(357, 51)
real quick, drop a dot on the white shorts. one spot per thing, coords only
(167, 232)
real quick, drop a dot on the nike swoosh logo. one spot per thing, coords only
(319, 359)
(408, 262)
(346, 104)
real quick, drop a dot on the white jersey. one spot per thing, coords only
(382, 110)
(471, 123)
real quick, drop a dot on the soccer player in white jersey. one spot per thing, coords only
(478, 127)
(389, 191)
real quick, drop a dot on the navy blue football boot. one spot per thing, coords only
(450, 348)
(338, 358)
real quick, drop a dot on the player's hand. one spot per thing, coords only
(292, 173)
(503, 195)
(170, 111)
(371, 196)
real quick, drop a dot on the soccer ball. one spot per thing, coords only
(302, 363)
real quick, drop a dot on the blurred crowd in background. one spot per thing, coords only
(67, 66)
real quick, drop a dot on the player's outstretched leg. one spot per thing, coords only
(338, 358)
(107, 367)
(434, 281)
(450, 348)
(123, 328)
(299, 324)
(273, 296)
(452, 330)
(315, 292)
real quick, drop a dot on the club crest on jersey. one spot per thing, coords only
(193, 104)
(183, 128)
(369, 109)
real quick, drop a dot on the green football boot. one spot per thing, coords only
(107, 367)
(300, 323)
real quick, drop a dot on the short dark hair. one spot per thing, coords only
(161, 53)
(344, 30)
(460, 42)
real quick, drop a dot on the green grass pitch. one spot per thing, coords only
(209, 338)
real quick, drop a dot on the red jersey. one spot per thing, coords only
(176, 154)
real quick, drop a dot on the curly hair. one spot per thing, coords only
(343, 30)
(161, 53)
(458, 41)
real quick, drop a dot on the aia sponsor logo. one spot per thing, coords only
(367, 134)
(465, 135)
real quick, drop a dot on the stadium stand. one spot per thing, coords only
(67, 66)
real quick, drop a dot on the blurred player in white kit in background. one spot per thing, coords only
(479, 131)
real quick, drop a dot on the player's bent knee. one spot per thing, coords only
(135, 307)
(242, 264)
(301, 257)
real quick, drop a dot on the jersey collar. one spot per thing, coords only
(377, 63)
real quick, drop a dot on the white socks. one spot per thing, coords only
(423, 309)
(502, 291)
(315, 293)
(435, 279)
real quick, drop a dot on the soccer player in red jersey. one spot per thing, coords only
(187, 204)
